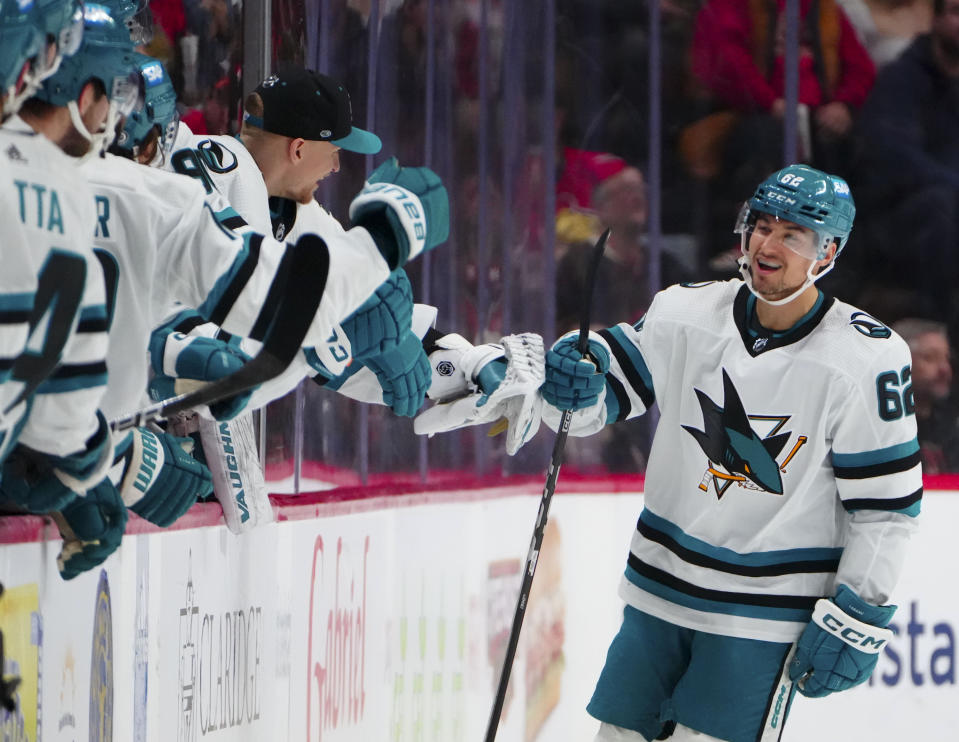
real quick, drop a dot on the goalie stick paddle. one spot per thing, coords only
(539, 529)
(298, 301)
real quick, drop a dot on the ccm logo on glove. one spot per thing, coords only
(863, 636)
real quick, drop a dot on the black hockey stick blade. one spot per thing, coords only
(305, 276)
(539, 530)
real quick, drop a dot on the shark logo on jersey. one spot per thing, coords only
(737, 453)
(869, 326)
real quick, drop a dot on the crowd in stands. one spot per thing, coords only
(461, 86)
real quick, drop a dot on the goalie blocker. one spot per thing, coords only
(470, 391)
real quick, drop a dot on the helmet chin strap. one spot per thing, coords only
(745, 269)
(99, 141)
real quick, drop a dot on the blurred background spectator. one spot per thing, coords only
(936, 412)
(539, 119)
(887, 27)
(907, 180)
(738, 57)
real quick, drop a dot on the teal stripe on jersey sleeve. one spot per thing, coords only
(228, 213)
(95, 312)
(635, 357)
(878, 456)
(722, 554)
(73, 383)
(20, 302)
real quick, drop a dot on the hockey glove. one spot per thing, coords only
(487, 383)
(406, 210)
(92, 528)
(162, 480)
(192, 359)
(573, 382)
(404, 375)
(841, 645)
(41, 482)
(378, 325)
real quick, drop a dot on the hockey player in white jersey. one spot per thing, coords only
(295, 124)
(53, 389)
(783, 484)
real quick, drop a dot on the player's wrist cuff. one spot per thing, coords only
(857, 634)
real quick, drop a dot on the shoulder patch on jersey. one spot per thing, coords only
(869, 326)
(696, 284)
(15, 155)
(217, 157)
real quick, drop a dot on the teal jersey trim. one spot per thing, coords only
(725, 603)
(722, 554)
(878, 456)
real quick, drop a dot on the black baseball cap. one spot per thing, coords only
(304, 104)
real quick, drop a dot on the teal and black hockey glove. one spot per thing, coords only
(161, 480)
(93, 527)
(195, 359)
(383, 320)
(29, 477)
(573, 382)
(840, 647)
(404, 374)
(406, 210)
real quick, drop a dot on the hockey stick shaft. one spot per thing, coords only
(302, 292)
(539, 529)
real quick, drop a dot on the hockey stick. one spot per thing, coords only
(301, 295)
(539, 529)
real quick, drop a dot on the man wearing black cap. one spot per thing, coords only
(294, 125)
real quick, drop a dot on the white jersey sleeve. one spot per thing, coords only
(173, 243)
(875, 459)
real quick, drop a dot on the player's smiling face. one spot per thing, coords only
(776, 252)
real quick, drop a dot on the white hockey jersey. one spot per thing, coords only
(223, 164)
(171, 245)
(53, 315)
(783, 464)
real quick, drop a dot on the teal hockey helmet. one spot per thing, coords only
(106, 54)
(20, 41)
(808, 197)
(61, 22)
(159, 108)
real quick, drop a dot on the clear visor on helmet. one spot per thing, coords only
(64, 44)
(168, 135)
(141, 27)
(804, 241)
(71, 35)
(126, 94)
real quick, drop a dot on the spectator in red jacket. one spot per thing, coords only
(738, 57)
